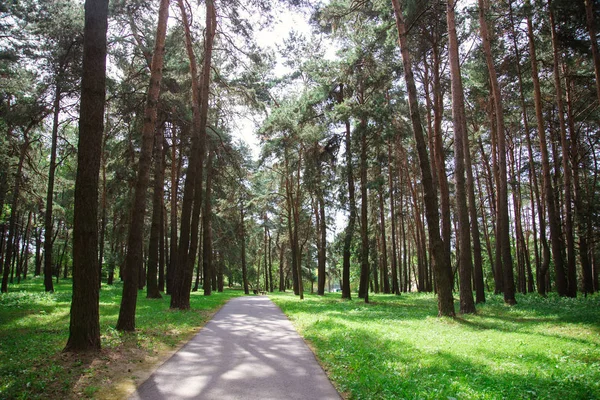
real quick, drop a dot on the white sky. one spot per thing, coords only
(271, 38)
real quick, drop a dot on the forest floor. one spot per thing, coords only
(34, 328)
(396, 347)
(392, 348)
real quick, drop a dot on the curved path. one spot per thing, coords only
(249, 350)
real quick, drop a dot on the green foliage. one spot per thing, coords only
(397, 348)
(35, 327)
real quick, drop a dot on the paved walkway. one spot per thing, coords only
(249, 350)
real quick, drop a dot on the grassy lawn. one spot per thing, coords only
(397, 348)
(34, 327)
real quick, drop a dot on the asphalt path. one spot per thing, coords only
(249, 350)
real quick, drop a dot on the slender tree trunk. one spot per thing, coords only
(187, 252)
(163, 242)
(133, 262)
(103, 212)
(270, 250)
(84, 330)
(553, 216)
(438, 150)
(50, 195)
(322, 257)
(535, 198)
(567, 174)
(290, 222)
(207, 251)
(296, 238)
(281, 266)
(443, 272)
(38, 246)
(152, 291)
(175, 163)
(243, 240)
(25, 251)
(461, 147)
(503, 226)
(349, 233)
(581, 211)
(395, 287)
(363, 289)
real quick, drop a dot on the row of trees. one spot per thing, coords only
(474, 147)
(459, 142)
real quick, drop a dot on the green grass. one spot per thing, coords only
(34, 327)
(397, 348)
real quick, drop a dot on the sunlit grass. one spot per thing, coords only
(34, 328)
(397, 348)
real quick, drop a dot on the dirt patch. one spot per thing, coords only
(114, 372)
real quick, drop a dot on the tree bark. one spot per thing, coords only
(461, 147)
(567, 174)
(243, 240)
(84, 329)
(349, 233)
(200, 93)
(503, 226)
(152, 291)
(207, 256)
(50, 195)
(443, 272)
(133, 262)
(363, 288)
(322, 255)
(175, 164)
(553, 216)
(395, 286)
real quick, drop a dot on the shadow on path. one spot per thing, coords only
(249, 350)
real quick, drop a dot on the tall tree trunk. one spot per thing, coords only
(475, 232)
(50, 195)
(503, 226)
(292, 232)
(243, 240)
(567, 174)
(384, 257)
(535, 198)
(207, 247)
(187, 251)
(104, 210)
(152, 291)
(281, 265)
(349, 233)
(25, 251)
(38, 246)
(322, 256)
(84, 329)
(438, 150)
(163, 245)
(270, 250)
(175, 164)
(581, 210)
(443, 271)
(461, 147)
(296, 236)
(553, 216)
(133, 262)
(363, 288)
(395, 286)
